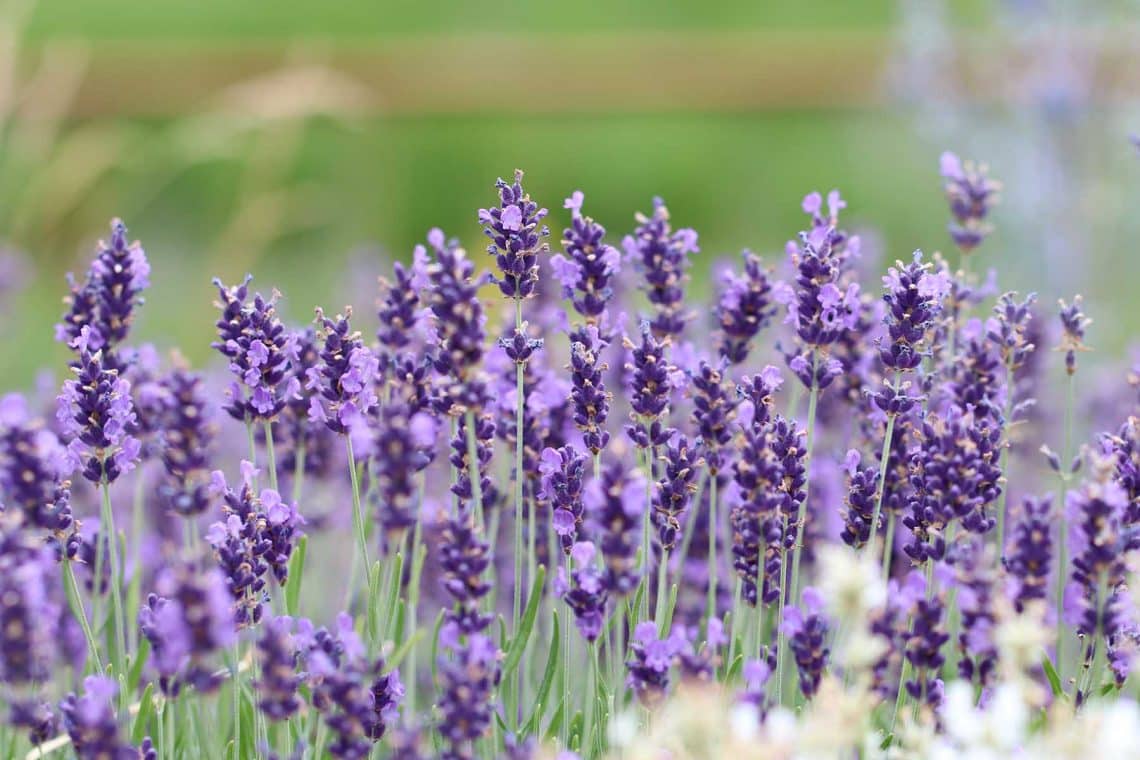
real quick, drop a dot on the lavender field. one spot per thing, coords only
(585, 518)
(336, 446)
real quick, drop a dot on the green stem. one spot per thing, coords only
(714, 569)
(662, 592)
(781, 645)
(75, 602)
(646, 543)
(520, 403)
(1062, 526)
(236, 677)
(884, 458)
(361, 555)
(889, 547)
(801, 516)
(118, 652)
(473, 473)
(271, 456)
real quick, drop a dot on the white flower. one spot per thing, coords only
(850, 582)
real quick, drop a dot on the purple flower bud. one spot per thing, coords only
(95, 414)
(258, 348)
(100, 311)
(516, 238)
(662, 257)
(467, 683)
(344, 378)
(91, 724)
(588, 594)
(616, 507)
(675, 488)
(587, 270)
(971, 194)
(188, 621)
(745, 308)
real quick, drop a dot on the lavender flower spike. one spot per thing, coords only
(252, 338)
(1073, 326)
(587, 270)
(344, 379)
(516, 238)
(96, 414)
(745, 308)
(585, 592)
(971, 194)
(113, 290)
(662, 255)
(807, 631)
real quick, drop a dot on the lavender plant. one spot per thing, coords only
(697, 582)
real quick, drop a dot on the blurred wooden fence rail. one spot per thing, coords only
(736, 71)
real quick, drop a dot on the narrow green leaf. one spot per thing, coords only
(537, 714)
(296, 573)
(392, 595)
(1053, 676)
(518, 643)
(735, 667)
(248, 725)
(435, 646)
(669, 609)
(575, 734)
(141, 725)
(636, 605)
(402, 651)
(140, 658)
(556, 721)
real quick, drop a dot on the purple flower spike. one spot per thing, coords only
(662, 256)
(1073, 326)
(862, 488)
(971, 194)
(32, 461)
(90, 722)
(96, 415)
(924, 651)
(277, 657)
(106, 301)
(675, 488)
(591, 402)
(587, 595)
(914, 297)
(1030, 557)
(647, 669)
(257, 536)
(516, 238)
(400, 310)
(563, 471)
(467, 683)
(651, 379)
(616, 506)
(344, 379)
(587, 270)
(457, 320)
(745, 308)
(187, 438)
(714, 408)
(821, 307)
(399, 456)
(187, 621)
(28, 611)
(464, 558)
(807, 632)
(252, 338)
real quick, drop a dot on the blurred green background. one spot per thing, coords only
(310, 143)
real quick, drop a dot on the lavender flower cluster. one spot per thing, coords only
(821, 537)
